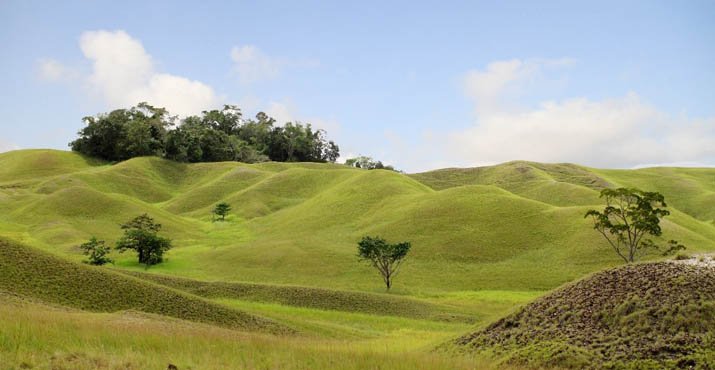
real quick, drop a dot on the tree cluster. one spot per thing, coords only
(140, 235)
(367, 163)
(213, 136)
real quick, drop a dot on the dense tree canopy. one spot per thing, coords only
(140, 235)
(124, 133)
(215, 135)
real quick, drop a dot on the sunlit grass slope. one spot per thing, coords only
(318, 298)
(38, 275)
(35, 336)
(39, 163)
(485, 240)
(298, 223)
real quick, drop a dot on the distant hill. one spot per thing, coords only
(515, 226)
(655, 315)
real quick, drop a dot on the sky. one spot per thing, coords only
(419, 85)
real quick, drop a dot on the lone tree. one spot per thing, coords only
(222, 209)
(97, 252)
(385, 257)
(140, 235)
(629, 217)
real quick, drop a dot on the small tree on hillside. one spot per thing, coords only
(140, 235)
(629, 217)
(222, 209)
(385, 257)
(97, 252)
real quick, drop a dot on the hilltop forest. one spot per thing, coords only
(213, 136)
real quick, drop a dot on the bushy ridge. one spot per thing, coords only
(324, 299)
(28, 272)
(656, 315)
(214, 136)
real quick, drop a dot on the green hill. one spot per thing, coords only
(297, 223)
(49, 279)
(485, 240)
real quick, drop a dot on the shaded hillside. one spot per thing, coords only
(37, 275)
(657, 315)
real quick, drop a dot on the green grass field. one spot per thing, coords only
(485, 241)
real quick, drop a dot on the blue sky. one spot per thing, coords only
(421, 85)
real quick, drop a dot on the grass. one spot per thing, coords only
(485, 240)
(310, 297)
(654, 315)
(50, 279)
(35, 336)
(297, 223)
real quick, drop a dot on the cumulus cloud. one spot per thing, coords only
(123, 74)
(488, 87)
(624, 131)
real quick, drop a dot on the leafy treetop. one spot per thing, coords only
(215, 135)
(222, 209)
(630, 216)
(97, 251)
(140, 235)
(385, 257)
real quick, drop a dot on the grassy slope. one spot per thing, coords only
(649, 316)
(298, 223)
(35, 274)
(42, 337)
(317, 298)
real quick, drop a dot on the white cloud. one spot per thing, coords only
(618, 132)
(53, 71)
(488, 88)
(124, 74)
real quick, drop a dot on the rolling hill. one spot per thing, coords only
(297, 223)
(485, 241)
